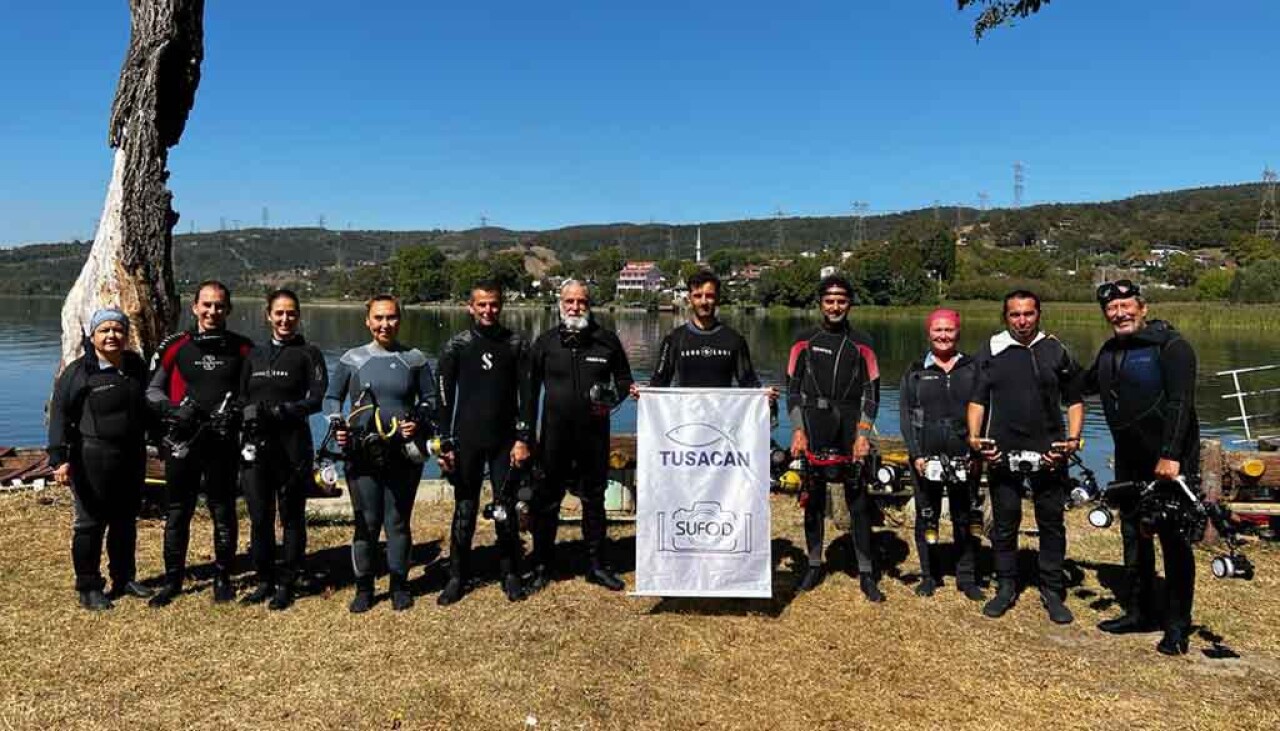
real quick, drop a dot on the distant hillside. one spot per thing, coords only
(1196, 218)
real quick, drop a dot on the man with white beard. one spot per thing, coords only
(585, 372)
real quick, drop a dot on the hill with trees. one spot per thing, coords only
(903, 256)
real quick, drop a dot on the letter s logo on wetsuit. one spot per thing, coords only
(486, 361)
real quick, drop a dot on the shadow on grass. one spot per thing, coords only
(784, 582)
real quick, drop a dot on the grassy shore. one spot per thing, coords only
(576, 656)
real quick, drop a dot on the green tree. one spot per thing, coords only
(1215, 285)
(1249, 249)
(367, 281)
(996, 13)
(1137, 251)
(419, 273)
(722, 261)
(1257, 283)
(793, 285)
(935, 243)
(687, 269)
(1181, 270)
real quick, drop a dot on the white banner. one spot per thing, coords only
(702, 493)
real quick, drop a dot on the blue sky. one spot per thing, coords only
(404, 115)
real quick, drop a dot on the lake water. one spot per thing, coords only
(30, 331)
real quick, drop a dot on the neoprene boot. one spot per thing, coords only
(812, 577)
(165, 596)
(452, 592)
(927, 586)
(401, 599)
(282, 599)
(541, 579)
(363, 600)
(94, 600)
(259, 595)
(870, 588)
(129, 588)
(1006, 595)
(601, 576)
(1057, 609)
(1126, 624)
(223, 591)
(513, 587)
(1174, 642)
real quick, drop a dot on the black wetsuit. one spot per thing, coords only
(284, 383)
(1023, 389)
(833, 393)
(1147, 386)
(933, 403)
(574, 437)
(382, 492)
(97, 423)
(204, 366)
(483, 373)
(692, 357)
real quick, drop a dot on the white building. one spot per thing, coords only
(639, 276)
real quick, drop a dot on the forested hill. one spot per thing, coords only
(1195, 218)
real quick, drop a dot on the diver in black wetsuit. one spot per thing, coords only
(704, 352)
(575, 360)
(1146, 377)
(483, 373)
(195, 377)
(933, 399)
(97, 423)
(284, 382)
(833, 394)
(1024, 378)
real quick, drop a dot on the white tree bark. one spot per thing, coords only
(100, 282)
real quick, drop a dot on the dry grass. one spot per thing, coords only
(576, 656)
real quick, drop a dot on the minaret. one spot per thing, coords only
(697, 255)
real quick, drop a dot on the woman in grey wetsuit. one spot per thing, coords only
(392, 391)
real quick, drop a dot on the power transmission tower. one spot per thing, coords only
(982, 201)
(266, 217)
(321, 221)
(1019, 184)
(1268, 219)
(937, 209)
(780, 231)
(222, 223)
(859, 223)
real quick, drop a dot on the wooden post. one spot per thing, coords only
(131, 263)
(1212, 470)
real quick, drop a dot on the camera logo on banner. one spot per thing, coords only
(704, 528)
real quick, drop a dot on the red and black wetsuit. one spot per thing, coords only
(833, 394)
(205, 367)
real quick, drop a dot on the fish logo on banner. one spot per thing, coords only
(698, 440)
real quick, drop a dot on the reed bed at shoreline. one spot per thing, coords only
(578, 657)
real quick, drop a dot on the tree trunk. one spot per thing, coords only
(131, 263)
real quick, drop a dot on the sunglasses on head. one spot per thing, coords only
(1117, 290)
